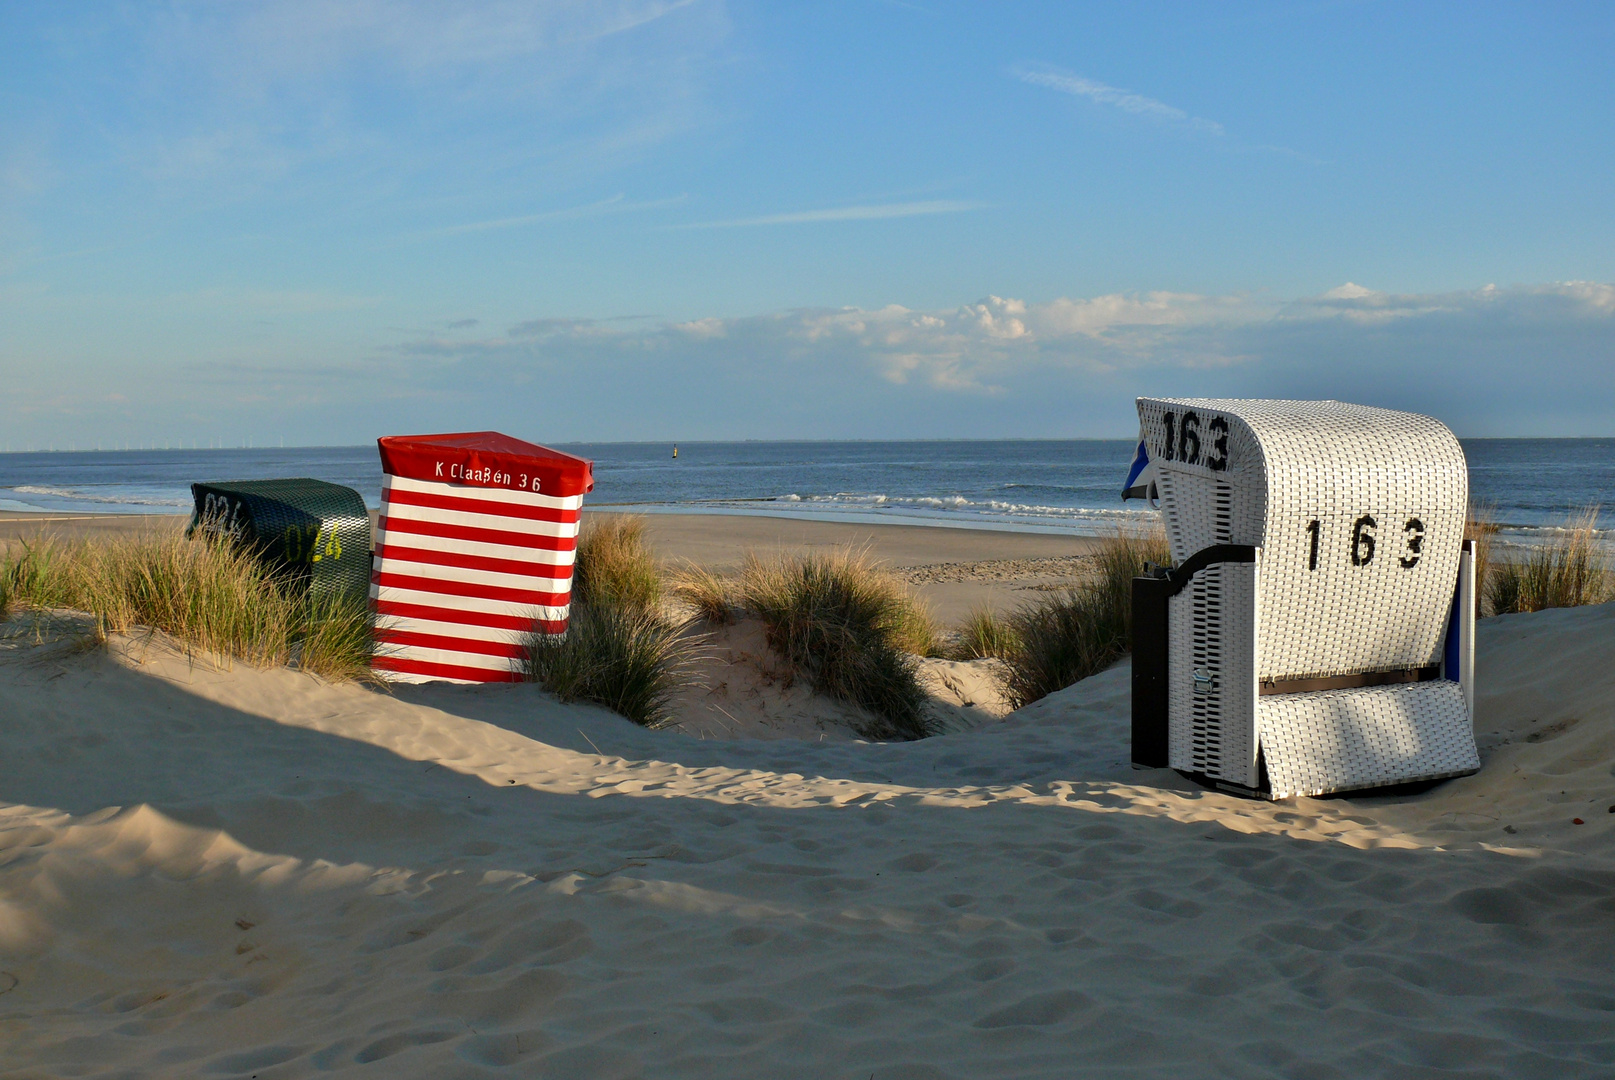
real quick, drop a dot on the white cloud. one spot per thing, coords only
(875, 212)
(1518, 360)
(617, 204)
(1527, 358)
(1125, 100)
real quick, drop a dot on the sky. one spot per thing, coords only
(226, 222)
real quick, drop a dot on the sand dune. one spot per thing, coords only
(253, 873)
(739, 689)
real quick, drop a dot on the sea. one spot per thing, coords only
(1529, 487)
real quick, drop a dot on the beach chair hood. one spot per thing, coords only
(1313, 636)
(486, 459)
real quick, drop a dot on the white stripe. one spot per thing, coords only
(520, 526)
(540, 556)
(434, 572)
(394, 594)
(448, 656)
(469, 491)
(422, 624)
(415, 677)
(458, 631)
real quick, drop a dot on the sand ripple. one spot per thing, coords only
(254, 873)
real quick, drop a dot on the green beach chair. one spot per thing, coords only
(315, 533)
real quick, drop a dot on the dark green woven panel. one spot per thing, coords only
(316, 533)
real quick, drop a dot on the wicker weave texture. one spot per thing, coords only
(1340, 740)
(1358, 516)
(1211, 726)
(1359, 512)
(314, 533)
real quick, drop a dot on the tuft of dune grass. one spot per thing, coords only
(711, 595)
(984, 635)
(1569, 570)
(337, 637)
(614, 565)
(1061, 640)
(209, 596)
(620, 649)
(850, 628)
(612, 654)
(1480, 526)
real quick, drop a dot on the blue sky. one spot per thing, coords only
(620, 220)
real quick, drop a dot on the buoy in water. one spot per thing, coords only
(675, 449)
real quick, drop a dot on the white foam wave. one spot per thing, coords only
(84, 496)
(992, 507)
(959, 509)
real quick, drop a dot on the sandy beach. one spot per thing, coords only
(954, 570)
(787, 433)
(213, 870)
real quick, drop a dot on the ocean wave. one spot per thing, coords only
(877, 503)
(961, 503)
(83, 496)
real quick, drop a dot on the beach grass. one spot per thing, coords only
(1055, 642)
(337, 637)
(1480, 527)
(209, 597)
(852, 629)
(615, 654)
(620, 649)
(710, 595)
(984, 635)
(1568, 570)
(615, 567)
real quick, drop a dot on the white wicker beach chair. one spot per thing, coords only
(1317, 633)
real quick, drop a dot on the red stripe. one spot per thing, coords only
(473, 589)
(507, 649)
(473, 562)
(469, 532)
(443, 671)
(469, 618)
(481, 506)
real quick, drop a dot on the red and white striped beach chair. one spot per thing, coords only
(474, 553)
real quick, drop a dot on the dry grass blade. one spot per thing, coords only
(1067, 638)
(711, 596)
(619, 650)
(337, 638)
(1480, 526)
(1062, 640)
(850, 628)
(984, 635)
(614, 565)
(1570, 569)
(209, 597)
(615, 655)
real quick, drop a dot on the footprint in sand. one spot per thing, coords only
(1488, 905)
(392, 1044)
(1039, 1010)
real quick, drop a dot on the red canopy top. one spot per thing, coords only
(486, 459)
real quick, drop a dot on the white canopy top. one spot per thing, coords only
(1359, 513)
